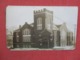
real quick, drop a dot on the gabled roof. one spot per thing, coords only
(62, 26)
(26, 25)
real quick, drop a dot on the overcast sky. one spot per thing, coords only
(18, 15)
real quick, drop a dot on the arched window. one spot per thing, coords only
(26, 32)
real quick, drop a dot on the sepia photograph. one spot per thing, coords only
(41, 27)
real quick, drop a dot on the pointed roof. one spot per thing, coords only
(26, 25)
(62, 26)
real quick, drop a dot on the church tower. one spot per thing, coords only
(43, 25)
(43, 19)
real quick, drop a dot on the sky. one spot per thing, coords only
(18, 15)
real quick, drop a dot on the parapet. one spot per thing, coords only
(42, 10)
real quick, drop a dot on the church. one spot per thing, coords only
(42, 33)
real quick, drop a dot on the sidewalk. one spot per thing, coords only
(64, 48)
(54, 48)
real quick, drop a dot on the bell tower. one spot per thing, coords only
(43, 27)
(43, 19)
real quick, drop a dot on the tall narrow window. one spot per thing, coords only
(17, 36)
(39, 23)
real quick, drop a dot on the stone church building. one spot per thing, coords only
(43, 33)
